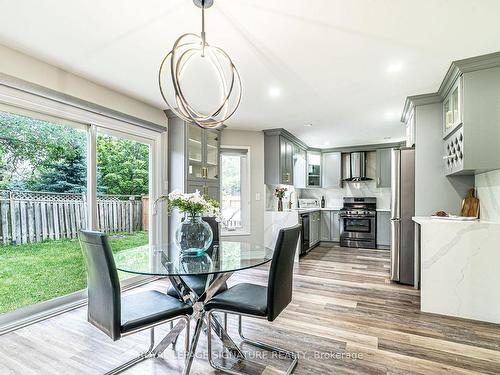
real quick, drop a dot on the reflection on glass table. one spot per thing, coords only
(167, 260)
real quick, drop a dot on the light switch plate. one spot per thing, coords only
(257, 196)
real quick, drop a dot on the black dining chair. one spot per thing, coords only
(259, 301)
(119, 316)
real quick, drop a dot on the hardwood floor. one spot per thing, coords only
(345, 318)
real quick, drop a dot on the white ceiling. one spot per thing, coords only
(343, 66)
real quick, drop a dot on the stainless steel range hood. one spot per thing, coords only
(355, 167)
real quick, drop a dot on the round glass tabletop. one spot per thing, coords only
(167, 260)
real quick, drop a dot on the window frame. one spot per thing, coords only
(37, 102)
(246, 193)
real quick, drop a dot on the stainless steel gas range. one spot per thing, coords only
(358, 222)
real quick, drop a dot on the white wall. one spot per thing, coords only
(25, 67)
(488, 192)
(255, 141)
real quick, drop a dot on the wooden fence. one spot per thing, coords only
(27, 217)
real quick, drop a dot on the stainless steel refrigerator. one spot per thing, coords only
(402, 211)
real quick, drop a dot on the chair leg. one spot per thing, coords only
(225, 322)
(292, 355)
(136, 360)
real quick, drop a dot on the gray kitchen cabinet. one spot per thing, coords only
(471, 115)
(314, 227)
(330, 226)
(383, 178)
(313, 169)
(335, 226)
(203, 151)
(278, 157)
(286, 161)
(299, 167)
(209, 190)
(326, 226)
(331, 171)
(194, 158)
(383, 229)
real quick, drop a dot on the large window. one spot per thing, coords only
(58, 176)
(235, 191)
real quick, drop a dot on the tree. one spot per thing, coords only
(30, 148)
(123, 166)
(67, 175)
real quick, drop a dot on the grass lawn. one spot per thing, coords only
(38, 272)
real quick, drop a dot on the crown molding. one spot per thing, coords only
(456, 69)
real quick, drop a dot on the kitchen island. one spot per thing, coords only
(460, 262)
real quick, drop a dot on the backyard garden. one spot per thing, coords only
(43, 185)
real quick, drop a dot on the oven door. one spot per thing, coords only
(358, 227)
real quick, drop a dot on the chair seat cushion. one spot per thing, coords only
(242, 298)
(198, 284)
(145, 308)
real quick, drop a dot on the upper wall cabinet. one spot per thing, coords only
(285, 159)
(203, 150)
(452, 108)
(299, 167)
(472, 123)
(314, 169)
(470, 97)
(410, 129)
(331, 173)
(383, 178)
(193, 158)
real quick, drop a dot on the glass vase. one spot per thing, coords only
(193, 235)
(280, 204)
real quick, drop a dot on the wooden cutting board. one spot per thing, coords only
(470, 205)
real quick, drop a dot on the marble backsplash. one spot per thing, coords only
(333, 197)
(488, 192)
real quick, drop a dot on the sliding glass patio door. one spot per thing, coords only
(59, 176)
(123, 187)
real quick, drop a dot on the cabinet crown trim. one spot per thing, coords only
(456, 69)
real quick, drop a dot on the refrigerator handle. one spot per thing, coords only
(395, 248)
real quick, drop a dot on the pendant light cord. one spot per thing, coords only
(203, 37)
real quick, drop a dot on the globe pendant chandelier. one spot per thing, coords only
(187, 48)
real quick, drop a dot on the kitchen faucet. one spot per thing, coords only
(290, 200)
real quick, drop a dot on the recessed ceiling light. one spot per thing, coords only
(308, 125)
(391, 115)
(395, 67)
(326, 143)
(274, 92)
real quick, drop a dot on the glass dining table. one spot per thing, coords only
(212, 267)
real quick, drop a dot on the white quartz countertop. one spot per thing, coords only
(422, 220)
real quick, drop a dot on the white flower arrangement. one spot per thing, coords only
(193, 204)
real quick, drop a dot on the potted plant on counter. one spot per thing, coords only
(279, 193)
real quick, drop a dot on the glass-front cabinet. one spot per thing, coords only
(452, 108)
(212, 155)
(195, 152)
(313, 168)
(203, 154)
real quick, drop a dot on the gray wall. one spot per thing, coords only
(255, 141)
(433, 191)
